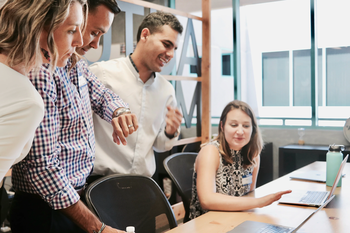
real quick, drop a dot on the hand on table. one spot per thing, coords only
(109, 229)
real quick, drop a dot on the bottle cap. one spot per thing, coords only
(130, 229)
(337, 148)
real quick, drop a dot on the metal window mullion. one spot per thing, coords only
(313, 57)
(324, 76)
(236, 49)
(171, 4)
(291, 79)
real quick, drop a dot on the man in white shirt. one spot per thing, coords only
(149, 95)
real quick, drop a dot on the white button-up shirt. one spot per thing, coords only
(148, 102)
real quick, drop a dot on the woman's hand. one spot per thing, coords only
(269, 199)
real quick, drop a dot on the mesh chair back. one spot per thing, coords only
(180, 166)
(129, 200)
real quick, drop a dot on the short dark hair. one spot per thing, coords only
(154, 21)
(112, 5)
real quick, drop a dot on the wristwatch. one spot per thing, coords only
(171, 136)
(120, 111)
(102, 228)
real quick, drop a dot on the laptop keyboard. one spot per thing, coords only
(313, 197)
(275, 229)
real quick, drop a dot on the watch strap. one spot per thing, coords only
(121, 111)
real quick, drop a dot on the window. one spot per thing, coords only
(276, 62)
(275, 79)
(226, 64)
(302, 77)
(193, 69)
(338, 76)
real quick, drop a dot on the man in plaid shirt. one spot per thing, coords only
(50, 180)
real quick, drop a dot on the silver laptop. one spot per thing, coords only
(318, 176)
(312, 198)
(261, 227)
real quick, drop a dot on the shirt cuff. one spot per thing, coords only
(64, 198)
(111, 108)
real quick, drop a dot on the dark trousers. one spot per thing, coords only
(29, 213)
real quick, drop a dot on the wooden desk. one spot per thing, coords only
(333, 218)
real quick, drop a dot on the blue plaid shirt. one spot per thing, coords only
(63, 150)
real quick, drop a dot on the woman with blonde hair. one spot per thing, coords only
(22, 24)
(227, 167)
(50, 180)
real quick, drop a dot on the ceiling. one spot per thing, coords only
(196, 5)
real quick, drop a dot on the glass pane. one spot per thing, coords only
(226, 64)
(270, 33)
(302, 77)
(275, 79)
(334, 39)
(338, 81)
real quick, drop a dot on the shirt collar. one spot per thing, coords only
(133, 64)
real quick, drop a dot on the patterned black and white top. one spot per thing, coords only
(228, 180)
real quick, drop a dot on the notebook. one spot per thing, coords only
(312, 198)
(261, 227)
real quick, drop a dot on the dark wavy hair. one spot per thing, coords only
(112, 5)
(154, 22)
(254, 146)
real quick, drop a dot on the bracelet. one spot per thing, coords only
(121, 111)
(171, 136)
(102, 228)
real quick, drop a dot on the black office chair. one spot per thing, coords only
(179, 166)
(6, 199)
(4, 204)
(192, 147)
(129, 200)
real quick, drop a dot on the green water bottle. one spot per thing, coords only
(334, 159)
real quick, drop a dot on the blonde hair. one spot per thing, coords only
(21, 24)
(254, 146)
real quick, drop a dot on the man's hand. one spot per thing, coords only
(123, 125)
(173, 120)
(85, 219)
(109, 229)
